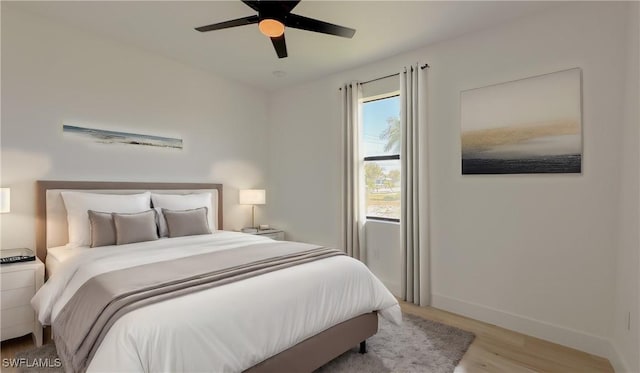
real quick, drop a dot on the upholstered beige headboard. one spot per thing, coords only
(51, 215)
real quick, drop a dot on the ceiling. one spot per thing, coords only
(384, 28)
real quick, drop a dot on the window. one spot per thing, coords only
(381, 147)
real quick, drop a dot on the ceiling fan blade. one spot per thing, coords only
(280, 46)
(271, 6)
(287, 6)
(310, 24)
(233, 23)
(253, 4)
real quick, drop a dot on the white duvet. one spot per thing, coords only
(224, 329)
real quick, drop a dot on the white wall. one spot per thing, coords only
(304, 163)
(54, 74)
(535, 253)
(626, 334)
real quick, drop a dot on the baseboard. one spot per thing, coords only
(586, 342)
(616, 360)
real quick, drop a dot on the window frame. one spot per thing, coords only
(389, 157)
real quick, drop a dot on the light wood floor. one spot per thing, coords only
(497, 349)
(8, 349)
(494, 350)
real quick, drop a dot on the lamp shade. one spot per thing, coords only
(252, 197)
(5, 200)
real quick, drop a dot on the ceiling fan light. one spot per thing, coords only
(271, 27)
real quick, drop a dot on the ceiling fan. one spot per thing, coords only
(272, 18)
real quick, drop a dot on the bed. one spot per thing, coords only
(293, 319)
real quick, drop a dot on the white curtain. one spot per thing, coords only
(353, 196)
(414, 224)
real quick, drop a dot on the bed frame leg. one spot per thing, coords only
(363, 347)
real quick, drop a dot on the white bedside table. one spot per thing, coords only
(19, 283)
(276, 234)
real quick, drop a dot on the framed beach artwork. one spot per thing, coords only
(116, 137)
(527, 126)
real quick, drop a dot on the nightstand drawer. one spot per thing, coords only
(14, 331)
(18, 315)
(17, 279)
(17, 297)
(19, 282)
(276, 236)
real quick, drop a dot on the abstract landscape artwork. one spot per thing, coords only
(115, 137)
(527, 126)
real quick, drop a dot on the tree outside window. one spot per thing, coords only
(381, 140)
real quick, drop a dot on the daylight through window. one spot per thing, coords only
(381, 144)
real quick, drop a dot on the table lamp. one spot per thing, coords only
(252, 197)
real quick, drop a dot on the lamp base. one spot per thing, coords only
(249, 230)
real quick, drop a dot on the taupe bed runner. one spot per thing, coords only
(101, 301)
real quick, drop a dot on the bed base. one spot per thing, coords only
(312, 353)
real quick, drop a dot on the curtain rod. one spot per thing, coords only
(380, 78)
(388, 76)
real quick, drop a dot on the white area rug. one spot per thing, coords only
(417, 346)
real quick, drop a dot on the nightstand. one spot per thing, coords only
(19, 283)
(276, 234)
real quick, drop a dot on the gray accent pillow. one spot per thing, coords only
(161, 222)
(137, 227)
(187, 222)
(103, 231)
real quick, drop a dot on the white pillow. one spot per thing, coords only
(78, 204)
(181, 202)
